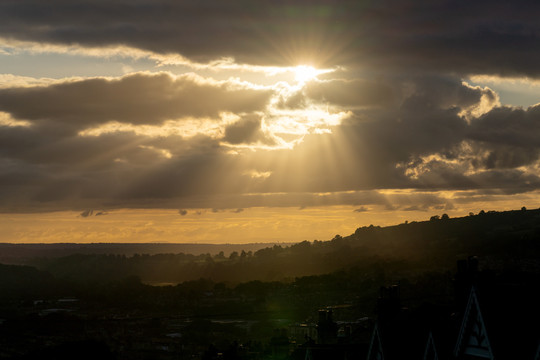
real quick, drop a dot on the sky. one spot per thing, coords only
(262, 121)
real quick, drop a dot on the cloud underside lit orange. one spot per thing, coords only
(219, 226)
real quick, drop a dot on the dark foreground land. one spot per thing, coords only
(278, 302)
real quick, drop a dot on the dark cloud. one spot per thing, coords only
(432, 138)
(365, 150)
(115, 169)
(136, 99)
(499, 156)
(442, 174)
(86, 213)
(40, 146)
(350, 93)
(439, 91)
(182, 212)
(247, 131)
(361, 209)
(510, 136)
(496, 37)
(414, 208)
(512, 180)
(421, 140)
(495, 146)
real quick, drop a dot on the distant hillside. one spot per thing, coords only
(25, 282)
(509, 239)
(23, 253)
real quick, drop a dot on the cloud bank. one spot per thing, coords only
(395, 112)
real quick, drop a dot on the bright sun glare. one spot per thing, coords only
(304, 73)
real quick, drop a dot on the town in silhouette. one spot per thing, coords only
(447, 288)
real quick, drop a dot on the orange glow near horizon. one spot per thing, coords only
(251, 225)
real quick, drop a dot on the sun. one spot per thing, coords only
(305, 73)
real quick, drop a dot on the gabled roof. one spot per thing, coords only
(403, 336)
(431, 351)
(501, 320)
(473, 337)
(375, 351)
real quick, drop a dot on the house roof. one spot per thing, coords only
(501, 321)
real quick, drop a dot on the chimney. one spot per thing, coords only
(473, 265)
(322, 316)
(327, 329)
(389, 303)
